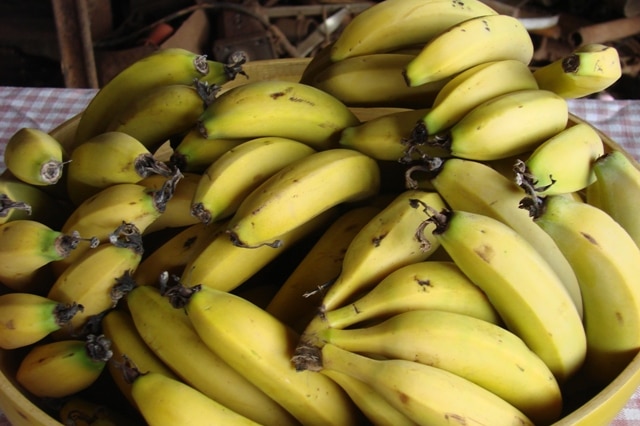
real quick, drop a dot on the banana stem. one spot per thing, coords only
(98, 347)
(533, 203)
(64, 312)
(146, 165)
(439, 219)
(162, 196)
(7, 204)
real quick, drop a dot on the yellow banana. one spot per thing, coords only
(277, 108)
(100, 278)
(469, 43)
(481, 352)
(375, 80)
(171, 336)
(229, 179)
(616, 190)
(259, 346)
(507, 125)
(63, 368)
(437, 285)
(589, 69)
(20, 200)
(194, 153)
(477, 188)
(607, 263)
(300, 191)
(429, 396)
(161, 113)
(395, 24)
(525, 291)
(321, 264)
(27, 318)
(80, 411)
(161, 68)
(563, 163)
(27, 246)
(35, 157)
(474, 86)
(107, 159)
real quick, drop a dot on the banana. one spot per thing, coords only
(107, 159)
(167, 401)
(375, 80)
(27, 318)
(429, 396)
(321, 264)
(118, 326)
(402, 23)
(161, 113)
(20, 200)
(80, 411)
(63, 368)
(225, 266)
(161, 68)
(563, 163)
(100, 214)
(589, 69)
(504, 126)
(469, 43)
(177, 213)
(474, 86)
(229, 179)
(194, 153)
(427, 285)
(27, 246)
(607, 263)
(477, 188)
(35, 157)
(171, 336)
(277, 108)
(300, 191)
(98, 279)
(525, 291)
(319, 61)
(377, 410)
(259, 346)
(481, 352)
(616, 190)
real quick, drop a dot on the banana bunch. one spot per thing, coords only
(414, 233)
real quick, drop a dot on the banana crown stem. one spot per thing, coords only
(532, 202)
(51, 171)
(162, 196)
(98, 347)
(64, 312)
(7, 204)
(439, 219)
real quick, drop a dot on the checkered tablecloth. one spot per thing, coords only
(45, 108)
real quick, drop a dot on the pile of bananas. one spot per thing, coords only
(415, 232)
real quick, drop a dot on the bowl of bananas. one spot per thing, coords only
(423, 235)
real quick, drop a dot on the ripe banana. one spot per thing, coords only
(27, 318)
(277, 108)
(563, 163)
(21, 200)
(481, 352)
(375, 80)
(161, 68)
(171, 336)
(26, 246)
(469, 43)
(589, 69)
(607, 263)
(616, 190)
(477, 188)
(525, 291)
(194, 153)
(507, 125)
(106, 159)
(395, 24)
(227, 181)
(35, 157)
(474, 86)
(161, 113)
(259, 346)
(436, 285)
(301, 191)
(428, 395)
(63, 368)
(321, 264)
(98, 279)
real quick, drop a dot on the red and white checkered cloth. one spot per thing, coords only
(45, 108)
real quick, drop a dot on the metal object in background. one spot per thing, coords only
(322, 33)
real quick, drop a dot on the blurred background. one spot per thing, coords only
(84, 43)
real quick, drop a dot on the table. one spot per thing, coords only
(45, 108)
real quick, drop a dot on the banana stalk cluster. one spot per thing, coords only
(415, 232)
